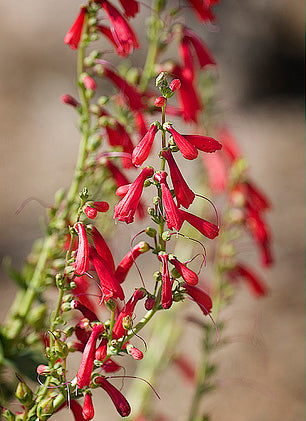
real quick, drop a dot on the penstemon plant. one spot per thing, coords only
(93, 314)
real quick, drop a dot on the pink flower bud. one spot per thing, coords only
(68, 99)
(135, 353)
(160, 101)
(92, 208)
(42, 369)
(88, 409)
(116, 396)
(89, 83)
(82, 257)
(175, 85)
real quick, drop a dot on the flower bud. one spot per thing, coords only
(43, 369)
(134, 352)
(24, 394)
(160, 101)
(45, 409)
(175, 85)
(69, 100)
(88, 409)
(127, 322)
(150, 302)
(151, 232)
(8, 415)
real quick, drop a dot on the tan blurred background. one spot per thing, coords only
(259, 47)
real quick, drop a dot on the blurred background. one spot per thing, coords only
(259, 47)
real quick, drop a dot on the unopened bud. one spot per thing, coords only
(45, 409)
(127, 322)
(8, 415)
(69, 100)
(43, 369)
(111, 305)
(150, 302)
(160, 101)
(175, 273)
(61, 348)
(157, 276)
(166, 236)
(94, 142)
(175, 85)
(151, 211)
(134, 352)
(151, 232)
(24, 394)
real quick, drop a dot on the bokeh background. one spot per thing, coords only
(259, 46)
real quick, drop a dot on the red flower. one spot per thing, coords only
(133, 96)
(173, 215)
(88, 409)
(81, 292)
(200, 297)
(184, 195)
(91, 209)
(203, 9)
(86, 366)
(68, 99)
(109, 284)
(203, 143)
(76, 410)
(121, 404)
(185, 366)
(256, 285)
(256, 224)
(140, 123)
(188, 150)
(216, 172)
(126, 208)
(160, 101)
(257, 199)
(73, 36)
(206, 228)
(166, 295)
(90, 315)
(188, 275)
(230, 146)
(122, 32)
(185, 53)
(128, 260)
(127, 311)
(110, 366)
(102, 248)
(131, 7)
(82, 257)
(142, 150)
(190, 39)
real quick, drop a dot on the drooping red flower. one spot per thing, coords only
(185, 366)
(230, 146)
(188, 275)
(142, 150)
(256, 224)
(256, 285)
(203, 143)
(88, 409)
(132, 95)
(90, 315)
(184, 195)
(73, 36)
(127, 311)
(126, 208)
(76, 410)
(109, 284)
(110, 366)
(86, 366)
(81, 264)
(208, 229)
(121, 404)
(216, 172)
(128, 260)
(200, 297)
(81, 292)
(188, 71)
(257, 199)
(121, 30)
(166, 295)
(91, 209)
(188, 150)
(203, 9)
(191, 40)
(131, 7)
(102, 248)
(173, 215)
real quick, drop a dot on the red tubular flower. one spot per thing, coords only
(203, 9)
(81, 292)
(76, 410)
(142, 150)
(90, 315)
(256, 224)
(73, 36)
(82, 257)
(203, 54)
(184, 195)
(109, 284)
(122, 190)
(188, 275)
(140, 123)
(86, 366)
(121, 404)
(200, 297)
(132, 95)
(208, 229)
(92, 208)
(128, 260)
(122, 32)
(257, 199)
(127, 311)
(230, 146)
(166, 295)
(131, 7)
(69, 100)
(186, 56)
(188, 150)
(185, 366)
(101, 352)
(256, 285)
(110, 366)
(126, 208)
(102, 248)
(216, 172)
(173, 215)
(88, 409)
(121, 180)
(203, 143)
